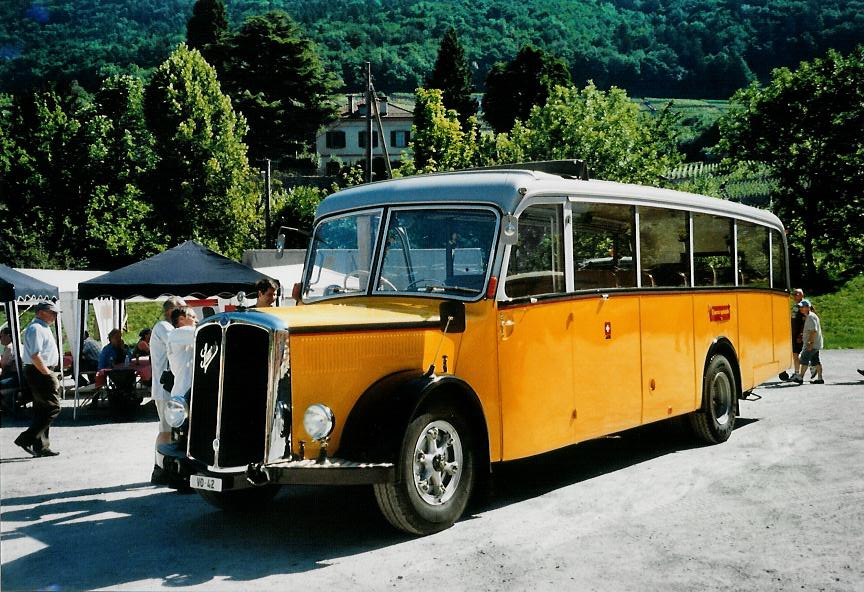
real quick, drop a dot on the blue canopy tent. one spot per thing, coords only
(19, 289)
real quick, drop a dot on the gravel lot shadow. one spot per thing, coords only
(138, 532)
(111, 536)
(86, 416)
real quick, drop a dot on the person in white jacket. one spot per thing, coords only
(181, 348)
(158, 364)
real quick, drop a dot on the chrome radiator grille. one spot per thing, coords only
(229, 406)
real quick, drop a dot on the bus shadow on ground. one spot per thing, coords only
(520, 480)
(137, 533)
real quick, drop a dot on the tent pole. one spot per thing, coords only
(76, 361)
(15, 326)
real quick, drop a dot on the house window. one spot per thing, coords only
(361, 139)
(400, 139)
(335, 139)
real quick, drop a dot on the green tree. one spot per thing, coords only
(200, 184)
(273, 75)
(119, 219)
(805, 126)
(452, 76)
(512, 89)
(207, 24)
(438, 141)
(606, 129)
(41, 188)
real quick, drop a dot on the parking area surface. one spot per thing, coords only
(780, 506)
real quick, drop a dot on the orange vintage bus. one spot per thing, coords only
(449, 322)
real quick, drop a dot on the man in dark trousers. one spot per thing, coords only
(41, 359)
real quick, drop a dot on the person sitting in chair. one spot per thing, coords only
(115, 352)
(142, 348)
(8, 371)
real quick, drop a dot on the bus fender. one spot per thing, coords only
(722, 345)
(375, 427)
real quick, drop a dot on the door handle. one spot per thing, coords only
(506, 327)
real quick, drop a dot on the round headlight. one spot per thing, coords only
(176, 411)
(318, 421)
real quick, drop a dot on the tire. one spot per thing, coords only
(714, 422)
(241, 500)
(416, 503)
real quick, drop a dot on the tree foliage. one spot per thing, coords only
(805, 126)
(452, 76)
(273, 75)
(669, 48)
(200, 184)
(512, 89)
(206, 25)
(42, 201)
(438, 140)
(606, 129)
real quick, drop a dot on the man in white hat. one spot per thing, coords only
(41, 359)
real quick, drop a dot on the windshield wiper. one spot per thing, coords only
(457, 289)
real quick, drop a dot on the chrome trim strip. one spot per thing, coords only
(219, 395)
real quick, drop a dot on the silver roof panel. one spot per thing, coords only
(501, 189)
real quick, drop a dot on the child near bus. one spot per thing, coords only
(812, 344)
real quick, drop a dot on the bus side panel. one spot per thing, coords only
(475, 363)
(668, 374)
(756, 350)
(782, 330)
(606, 347)
(708, 306)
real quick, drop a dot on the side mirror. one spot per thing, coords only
(452, 315)
(280, 243)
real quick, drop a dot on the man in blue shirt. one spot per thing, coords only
(115, 352)
(41, 358)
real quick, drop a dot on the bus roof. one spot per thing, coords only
(507, 189)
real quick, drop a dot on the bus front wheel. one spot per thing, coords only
(714, 422)
(436, 474)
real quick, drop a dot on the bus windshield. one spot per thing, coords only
(341, 255)
(435, 251)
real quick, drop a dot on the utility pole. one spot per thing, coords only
(369, 99)
(267, 205)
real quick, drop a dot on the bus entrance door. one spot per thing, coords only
(535, 375)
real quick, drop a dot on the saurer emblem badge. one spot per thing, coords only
(208, 354)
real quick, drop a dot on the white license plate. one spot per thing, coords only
(204, 482)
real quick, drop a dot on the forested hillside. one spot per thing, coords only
(684, 48)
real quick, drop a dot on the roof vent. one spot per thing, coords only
(569, 169)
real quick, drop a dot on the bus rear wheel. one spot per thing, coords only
(714, 422)
(436, 474)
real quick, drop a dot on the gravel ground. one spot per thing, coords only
(778, 507)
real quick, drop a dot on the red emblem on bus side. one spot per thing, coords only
(720, 313)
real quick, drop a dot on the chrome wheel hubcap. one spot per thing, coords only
(437, 462)
(721, 398)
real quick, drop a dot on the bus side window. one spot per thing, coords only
(712, 251)
(663, 242)
(753, 255)
(778, 260)
(603, 244)
(536, 264)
